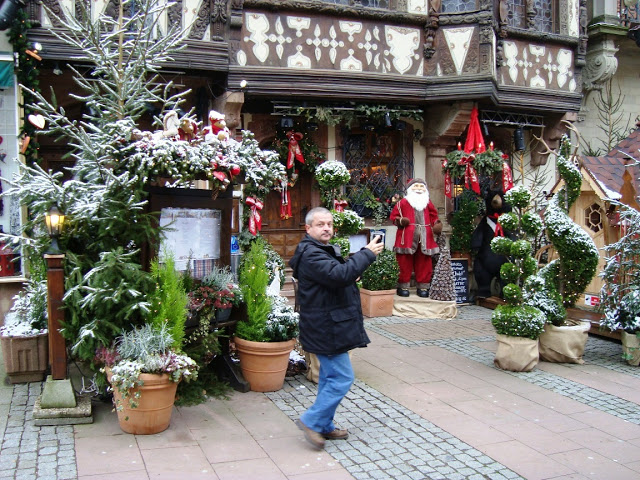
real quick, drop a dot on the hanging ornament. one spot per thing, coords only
(285, 201)
(255, 220)
(294, 148)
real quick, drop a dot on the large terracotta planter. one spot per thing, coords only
(377, 303)
(564, 344)
(264, 364)
(26, 358)
(516, 354)
(631, 348)
(155, 405)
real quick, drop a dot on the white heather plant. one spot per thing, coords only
(147, 349)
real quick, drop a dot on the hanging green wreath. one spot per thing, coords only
(486, 163)
(290, 154)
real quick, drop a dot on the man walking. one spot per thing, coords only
(331, 320)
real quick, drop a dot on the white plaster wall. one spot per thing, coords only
(627, 78)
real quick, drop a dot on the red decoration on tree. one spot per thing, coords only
(470, 175)
(255, 220)
(507, 176)
(294, 149)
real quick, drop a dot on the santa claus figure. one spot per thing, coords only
(417, 220)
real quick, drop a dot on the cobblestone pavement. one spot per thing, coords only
(387, 439)
(33, 452)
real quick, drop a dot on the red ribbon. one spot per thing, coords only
(470, 175)
(499, 232)
(507, 177)
(447, 178)
(255, 220)
(294, 148)
(340, 205)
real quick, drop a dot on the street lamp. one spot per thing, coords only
(54, 221)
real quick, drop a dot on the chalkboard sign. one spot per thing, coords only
(460, 268)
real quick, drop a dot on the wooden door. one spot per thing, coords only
(285, 234)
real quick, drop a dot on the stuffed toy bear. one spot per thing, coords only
(486, 265)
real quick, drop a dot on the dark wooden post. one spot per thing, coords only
(55, 292)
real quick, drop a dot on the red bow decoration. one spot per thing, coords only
(294, 148)
(470, 175)
(340, 205)
(255, 220)
(507, 177)
(499, 232)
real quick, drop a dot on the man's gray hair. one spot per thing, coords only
(312, 213)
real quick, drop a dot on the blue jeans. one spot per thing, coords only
(334, 381)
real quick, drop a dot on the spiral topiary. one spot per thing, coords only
(564, 279)
(516, 319)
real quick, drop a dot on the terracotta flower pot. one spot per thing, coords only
(377, 303)
(155, 405)
(264, 364)
(26, 358)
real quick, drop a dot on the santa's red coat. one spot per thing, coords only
(408, 238)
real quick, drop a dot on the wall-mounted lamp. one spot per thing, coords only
(485, 129)
(286, 122)
(56, 69)
(518, 139)
(387, 120)
(54, 221)
(243, 84)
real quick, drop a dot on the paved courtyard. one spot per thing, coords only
(427, 404)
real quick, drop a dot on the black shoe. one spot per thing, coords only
(402, 292)
(423, 293)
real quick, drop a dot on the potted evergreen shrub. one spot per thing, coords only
(24, 334)
(213, 297)
(144, 370)
(266, 337)
(379, 283)
(561, 282)
(145, 364)
(463, 223)
(517, 324)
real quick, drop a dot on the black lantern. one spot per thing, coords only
(387, 120)
(54, 221)
(518, 139)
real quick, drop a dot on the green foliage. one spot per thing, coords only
(104, 301)
(169, 299)
(577, 254)
(620, 294)
(463, 222)
(486, 163)
(518, 321)
(347, 222)
(383, 273)
(541, 292)
(516, 318)
(254, 280)
(343, 243)
(376, 113)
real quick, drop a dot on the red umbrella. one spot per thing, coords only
(474, 134)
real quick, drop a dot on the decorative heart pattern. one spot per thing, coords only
(36, 120)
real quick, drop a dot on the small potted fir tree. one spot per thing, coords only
(379, 283)
(266, 337)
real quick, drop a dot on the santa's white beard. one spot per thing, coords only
(417, 200)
